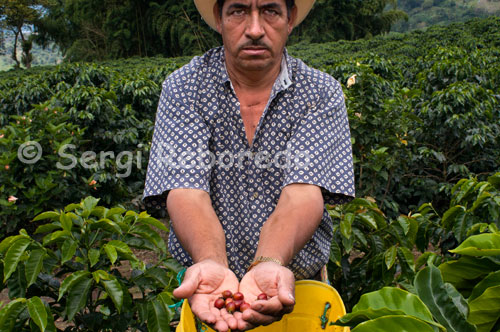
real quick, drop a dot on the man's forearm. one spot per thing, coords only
(196, 225)
(293, 222)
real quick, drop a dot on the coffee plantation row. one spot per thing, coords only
(423, 109)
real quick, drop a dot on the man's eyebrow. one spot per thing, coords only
(272, 5)
(237, 5)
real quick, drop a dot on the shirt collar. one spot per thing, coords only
(284, 77)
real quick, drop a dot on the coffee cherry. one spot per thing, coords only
(227, 294)
(238, 303)
(219, 303)
(238, 296)
(262, 296)
(231, 307)
(229, 300)
(244, 306)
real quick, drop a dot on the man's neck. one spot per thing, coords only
(253, 80)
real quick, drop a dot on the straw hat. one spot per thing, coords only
(205, 7)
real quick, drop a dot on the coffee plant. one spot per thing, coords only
(81, 271)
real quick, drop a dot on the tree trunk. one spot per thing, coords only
(14, 50)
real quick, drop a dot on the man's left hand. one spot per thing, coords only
(278, 283)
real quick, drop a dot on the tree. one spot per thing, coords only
(16, 15)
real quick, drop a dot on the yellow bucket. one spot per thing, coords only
(313, 300)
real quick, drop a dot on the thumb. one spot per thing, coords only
(189, 284)
(286, 288)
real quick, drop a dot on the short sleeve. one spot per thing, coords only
(321, 148)
(179, 139)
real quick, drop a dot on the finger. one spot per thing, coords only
(242, 324)
(272, 306)
(256, 318)
(286, 288)
(200, 306)
(230, 320)
(189, 284)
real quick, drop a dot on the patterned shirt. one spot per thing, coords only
(199, 142)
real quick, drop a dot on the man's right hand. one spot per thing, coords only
(204, 283)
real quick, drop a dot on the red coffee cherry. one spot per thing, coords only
(238, 303)
(229, 300)
(231, 307)
(219, 303)
(227, 294)
(238, 296)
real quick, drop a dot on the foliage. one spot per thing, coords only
(462, 294)
(423, 14)
(369, 251)
(75, 270)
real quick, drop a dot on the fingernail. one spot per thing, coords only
(290, 296)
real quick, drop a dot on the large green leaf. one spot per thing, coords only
(394, 299)
(485, 309)
(13, 256)
(10, 312)
(394, 323)
(47, 215)
(66, 222)
(390, 256)
(37, 312)
(71, 280)
(491, 280)
(158, 317)
(68, 250)
(432, 291)
(6, 243)
(115, 292)
(34, 265)
(466, 268)
(480, 245)
(146, 219)
(78, 295)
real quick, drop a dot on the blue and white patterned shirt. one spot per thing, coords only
(200, 142)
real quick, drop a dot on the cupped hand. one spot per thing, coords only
(203, 284)
(278, 283)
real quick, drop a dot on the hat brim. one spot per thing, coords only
(205, 8)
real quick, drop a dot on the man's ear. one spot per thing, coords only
(217, 16)
(292, 18)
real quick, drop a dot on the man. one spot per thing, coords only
(249, 144)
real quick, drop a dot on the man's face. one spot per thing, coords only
(254, 32)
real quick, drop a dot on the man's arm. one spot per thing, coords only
(196, 225)
(293, 222)
(200, 233)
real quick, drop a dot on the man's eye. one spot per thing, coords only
(238, 12)
(270, 12)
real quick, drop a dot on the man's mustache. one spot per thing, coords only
(255, 43)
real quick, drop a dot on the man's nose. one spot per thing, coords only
(254, 29)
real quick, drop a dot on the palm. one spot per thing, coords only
(252, 285)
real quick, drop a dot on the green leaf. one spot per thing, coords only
(37, 312)
(404, 223)
(466, 268)
(68, 250)
(406, 256)
(88, 204)
(394, 323)
(94, 255)
(394, 299)
(34, 265)
(47, 215)
(335, 253)
(114, 211)
(368, 220)
(480, 245)
(66, 222)
(449, 217)
(345, 225)
(111, 252)
(13, 256)
(107, 225)
(115, 292)
(158, 317)
(71, 280)
(123, 249)
(78, 295)
(10, 312)
(390, 257)
(485, 309)
(492, 280)
(457, 299)
(47, 228)
(7, 242)
(152, 222)
(431, 290)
